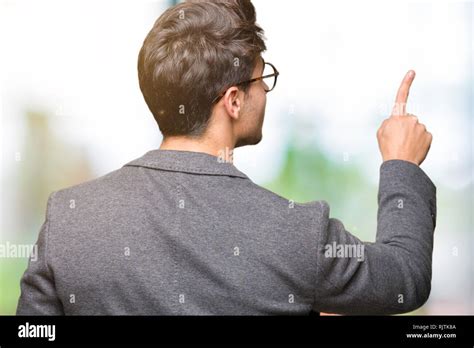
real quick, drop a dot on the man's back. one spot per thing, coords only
(178, 232)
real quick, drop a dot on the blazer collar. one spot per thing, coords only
(186, 162)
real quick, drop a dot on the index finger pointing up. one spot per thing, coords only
(404, 90)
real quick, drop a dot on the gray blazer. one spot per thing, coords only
(179, 233)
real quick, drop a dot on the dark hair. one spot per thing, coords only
(194, 51)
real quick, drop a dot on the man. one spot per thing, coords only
(182, 231)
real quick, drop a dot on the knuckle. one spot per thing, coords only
(413, 118)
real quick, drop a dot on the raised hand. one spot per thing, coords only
(401, 136)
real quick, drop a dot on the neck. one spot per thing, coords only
(223, 149)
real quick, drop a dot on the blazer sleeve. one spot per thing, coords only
(392, 275)
(38, 293)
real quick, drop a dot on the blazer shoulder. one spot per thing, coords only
(315, 210)
(92, 193)
(93, 186)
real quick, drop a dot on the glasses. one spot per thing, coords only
(269, 72)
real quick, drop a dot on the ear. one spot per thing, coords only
(232, 102)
